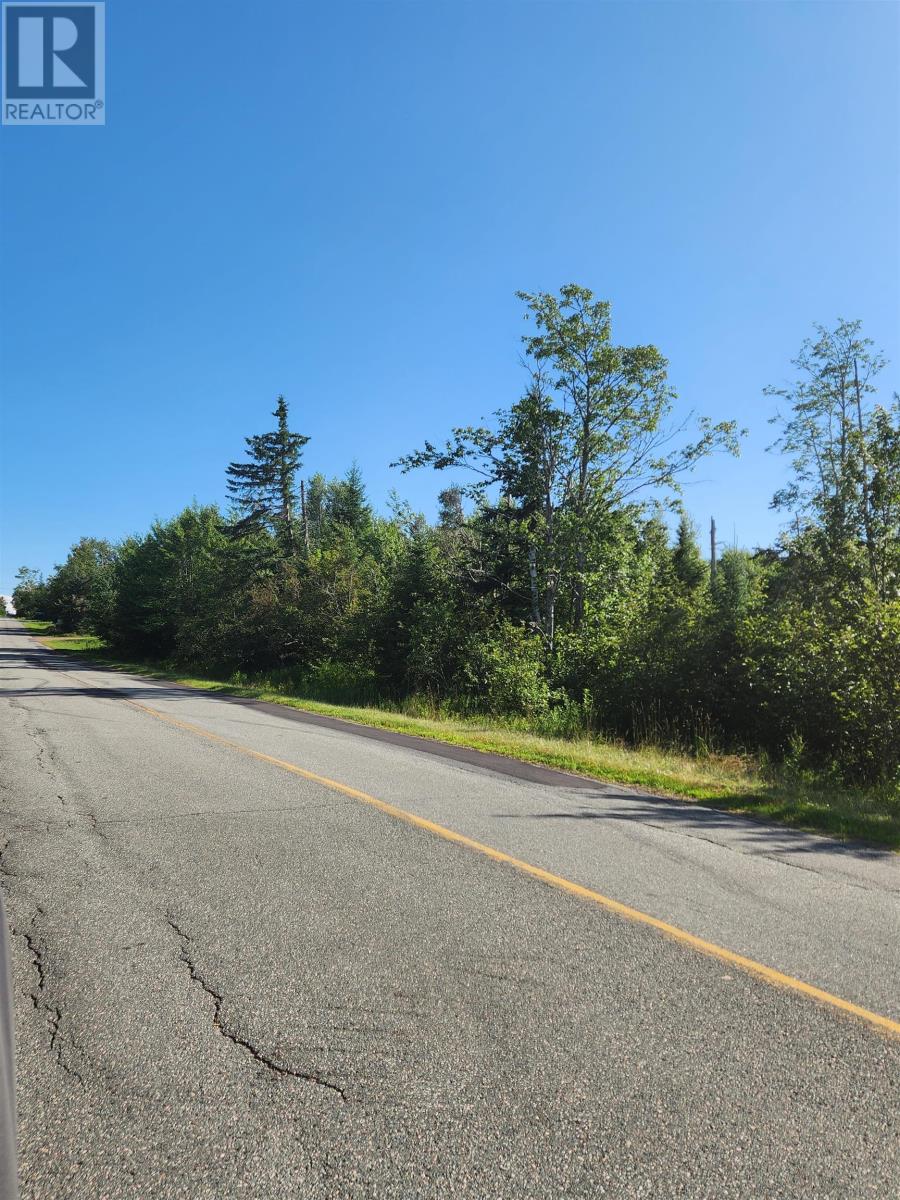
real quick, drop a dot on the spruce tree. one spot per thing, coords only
(686, 559)
(264, 489)
(348, 505)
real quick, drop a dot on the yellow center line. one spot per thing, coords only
(760, 970)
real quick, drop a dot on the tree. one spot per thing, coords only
(316, 491)
(836, 438)
(521, 485)
(30, 594)
(423, 624)
(264, 489)
(690, 569)
(451, 515)
(81, 592)
(619, 399)
(883, 455)
(346, 503)
(588, 437)
(824, 652)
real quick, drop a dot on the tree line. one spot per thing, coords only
(550, 590)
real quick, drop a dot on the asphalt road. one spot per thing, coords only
(234, 980)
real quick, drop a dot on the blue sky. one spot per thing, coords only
(338, 201)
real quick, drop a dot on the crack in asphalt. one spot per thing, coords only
(95, 825)
(45, 757)
(230, 1035)
(4, 869)
(52, 1012)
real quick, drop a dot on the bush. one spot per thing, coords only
(864, 679)
(827, 678)
(504, 671)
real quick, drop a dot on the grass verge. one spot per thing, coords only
(735, 783)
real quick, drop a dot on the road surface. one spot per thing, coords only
(237, 975)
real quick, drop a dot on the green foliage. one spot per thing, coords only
(827, 678)
(170, 598)
(30, 595)
(551, 592)
(504, 671)
(80, 594)
(419, 636)
(590, 434)
(347, 506)
(845, 490)
(690, 570)
(264, 489)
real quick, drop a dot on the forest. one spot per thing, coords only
(561, 585)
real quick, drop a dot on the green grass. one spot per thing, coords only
(80, 642)
(737, 783)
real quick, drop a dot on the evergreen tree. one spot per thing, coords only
(347, 503)
(265, 488)
(690, 569)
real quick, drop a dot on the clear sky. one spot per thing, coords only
(338, 201)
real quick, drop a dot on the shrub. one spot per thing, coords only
(505, 673)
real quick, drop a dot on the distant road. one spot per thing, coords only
(247, 964)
